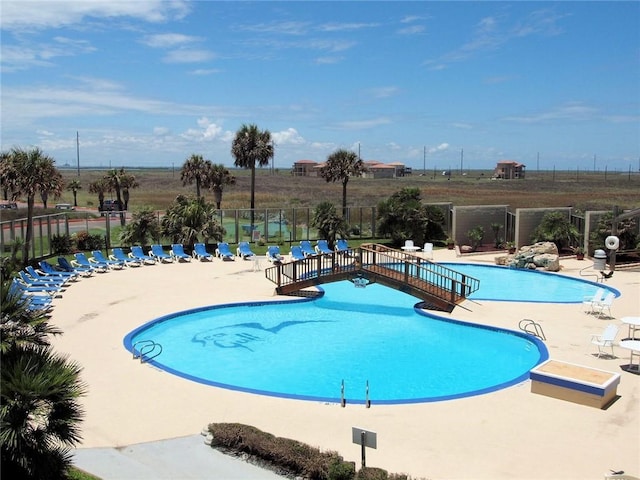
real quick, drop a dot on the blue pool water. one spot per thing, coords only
(518, 285)
(307, 349)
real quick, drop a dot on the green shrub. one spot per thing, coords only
(87, 242)
(61, 244)
(475, 236)
(342, 471)
(372, 473)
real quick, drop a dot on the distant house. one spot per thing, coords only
(379, 170)
(304, 168)
(508, 169)
(401, 169)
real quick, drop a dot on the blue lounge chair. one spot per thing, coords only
(273, 254)
(342, 246)
(244, 250)
(119, 255)
(323, 248)
(100, 259)
(33, 286)
(307, 249)
(46, 279)
(49, 269)
(82, 261)
(68, 267)
(34, 301)
(223, 251)
(159, 254)
(296, 253)
(200, 252)
(177, 252)
(138, 254)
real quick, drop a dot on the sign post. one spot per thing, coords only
(365, 438)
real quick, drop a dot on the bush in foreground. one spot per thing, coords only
(290, 457)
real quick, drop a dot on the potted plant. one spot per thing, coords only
(510, 246)
(579, 251)
(450, 243)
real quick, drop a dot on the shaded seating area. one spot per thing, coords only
(178, 253)
(159, 254)
(138, 254)
(119, 255)
(224, 252)
(273, 254)
(322, 247)
(200, 252)
(244, 250)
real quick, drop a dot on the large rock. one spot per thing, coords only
(539, 255)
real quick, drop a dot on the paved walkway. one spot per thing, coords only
(176, 459)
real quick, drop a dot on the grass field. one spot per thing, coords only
(581, 190)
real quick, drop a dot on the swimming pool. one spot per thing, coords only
(518, 285)
(309, 349)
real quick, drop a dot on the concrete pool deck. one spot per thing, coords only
(511, 433)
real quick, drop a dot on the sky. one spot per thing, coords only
(553, 85)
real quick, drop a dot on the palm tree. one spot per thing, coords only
(39, 413)
(189, 219)
(32, 170)
(99, 187)
(330, 225)
(114, 179)
(53, 184)
(195, 170)
(251, 145)
(218, 177)
(7, 175)
(74, 186)
(144, 225)
(127, 182)
(341, 165)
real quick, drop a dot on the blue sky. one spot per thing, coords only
(148, 83)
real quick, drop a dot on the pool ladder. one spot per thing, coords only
(343, 399)
(148, 349)
(532, 328)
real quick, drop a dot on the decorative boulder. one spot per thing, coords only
(539, 255)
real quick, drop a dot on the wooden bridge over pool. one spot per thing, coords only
(439, 287)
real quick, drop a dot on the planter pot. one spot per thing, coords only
(579, 256)
(450, 246)
(512, 250)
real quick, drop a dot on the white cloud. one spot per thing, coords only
(358, 124)
(289, 136)
(412, 30)
(575, 111)
(440, 148)
(207, 131)
(384, 92)
(345, 27)
(185, 55)
(166, 40)
(21, 14)
(21, 57)
(205, 71)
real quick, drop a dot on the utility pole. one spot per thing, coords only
(78, 151)
(461, 159)
(424, 161)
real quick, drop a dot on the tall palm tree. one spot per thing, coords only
(39, 412)
(342, 165)
(32, 170)
(53, 184)
(74, 186)
(218, 177)
(251, 146)
(127, 182)
(329, 223)
(114, 180)
(195, 170)
(99, 187)
(7, 175)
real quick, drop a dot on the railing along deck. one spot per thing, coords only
(441, 286)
